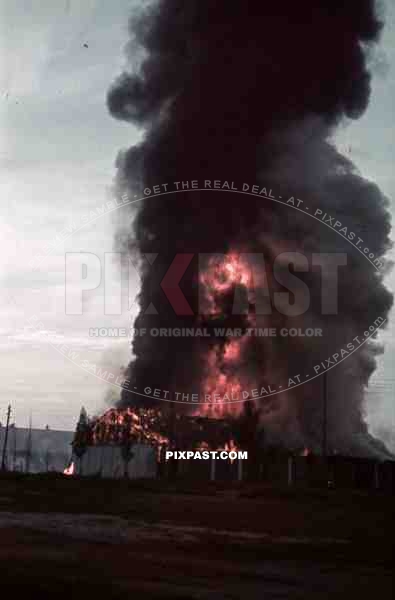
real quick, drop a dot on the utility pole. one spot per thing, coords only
(3, 458)
(47, 457)
(324, 414)
(14, 455)
(28, 447)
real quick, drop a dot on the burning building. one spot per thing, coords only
(132, 442)
(238, 98)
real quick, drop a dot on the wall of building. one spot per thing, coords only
(36, 450)
(109, 462)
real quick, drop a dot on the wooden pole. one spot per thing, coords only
(212, 469)
(324, 414)
(14, 454)
(28, 447)
(3, 458)
(290, 470)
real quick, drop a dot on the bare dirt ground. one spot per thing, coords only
(77, 538)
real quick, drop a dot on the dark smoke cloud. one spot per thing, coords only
(252, 92)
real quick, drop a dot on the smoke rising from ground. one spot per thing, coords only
(252, 92)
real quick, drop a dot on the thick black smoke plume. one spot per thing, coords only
(252, 92)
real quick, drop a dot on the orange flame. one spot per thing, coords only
(69, 470)
(222, 385)
(220, 277)
(139, 425)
